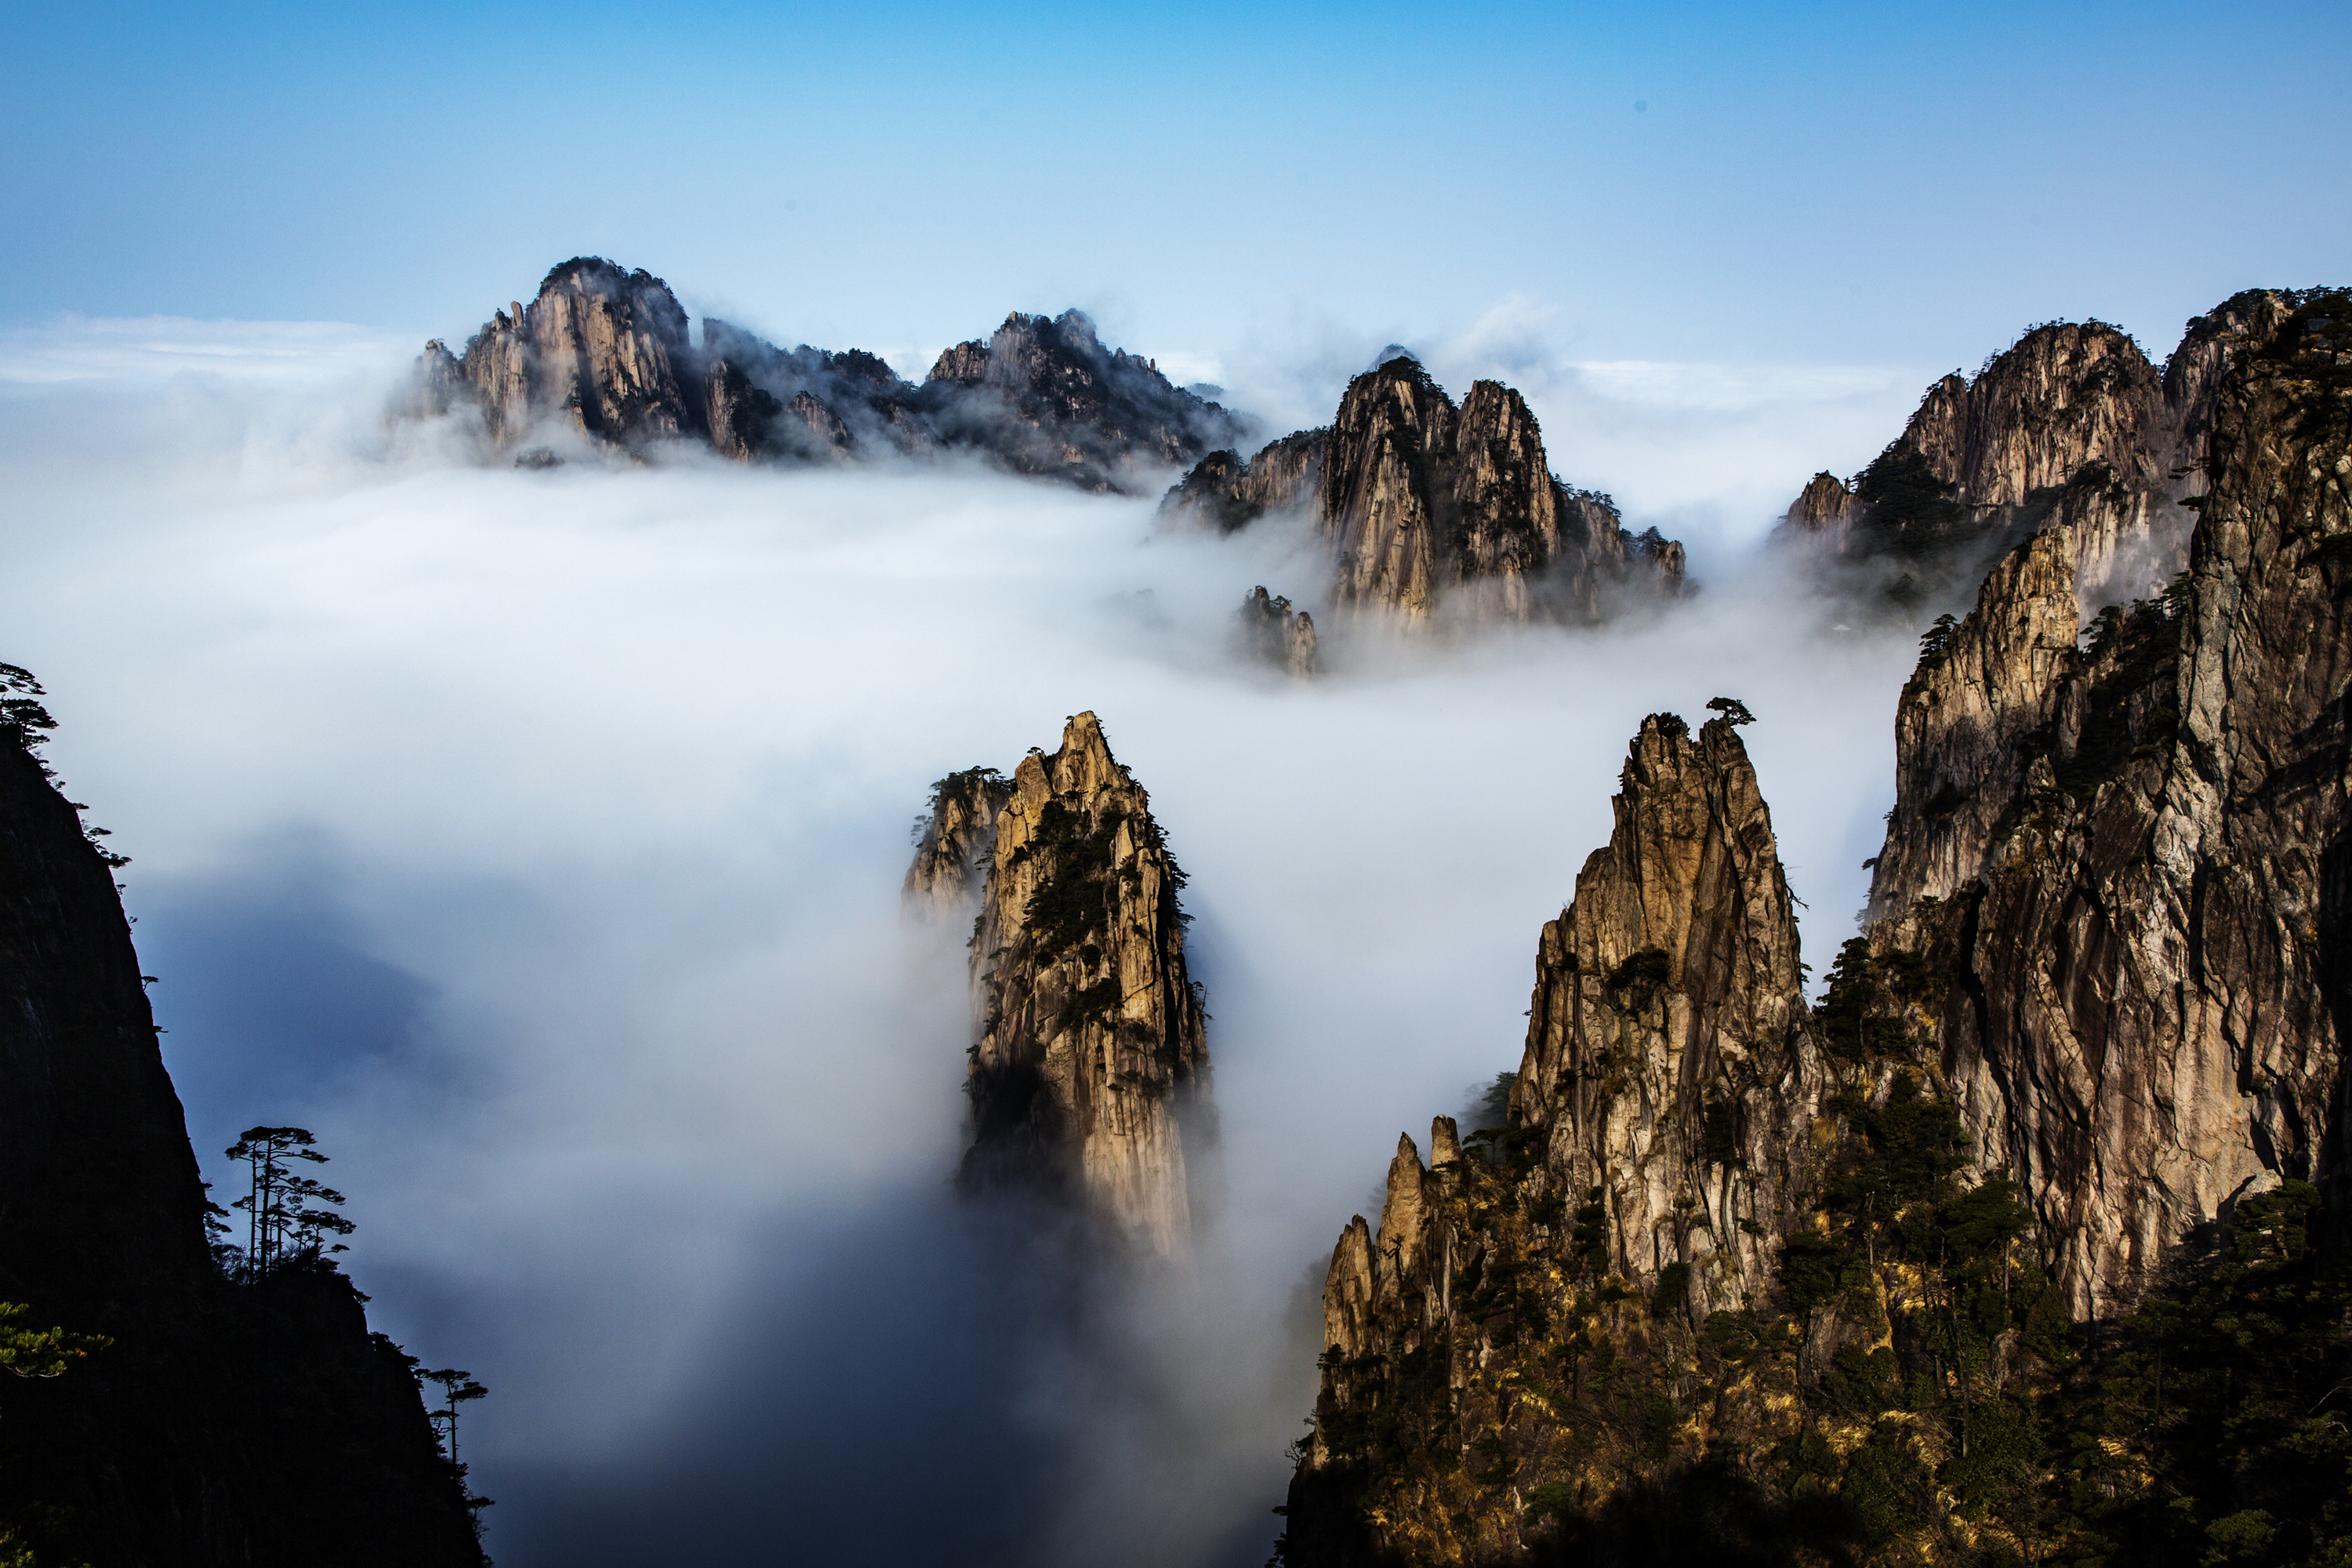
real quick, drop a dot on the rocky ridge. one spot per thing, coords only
(2070, 426)
(1741, 1279)
(1434, 510)
(1089, 1079)
(607, 355)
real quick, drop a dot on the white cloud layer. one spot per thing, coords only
(535, 837)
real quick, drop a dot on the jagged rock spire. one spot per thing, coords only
(1091, 1065)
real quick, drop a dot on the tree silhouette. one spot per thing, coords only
(456, 1388)
(1734, 711)
(285, 1222)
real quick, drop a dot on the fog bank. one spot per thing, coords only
(535, 838)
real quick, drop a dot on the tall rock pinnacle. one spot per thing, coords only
(1091, 1065)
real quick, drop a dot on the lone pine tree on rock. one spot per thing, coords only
(285, 1222)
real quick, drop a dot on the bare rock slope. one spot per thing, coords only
(2070, 427)
(2127, 856)
(1656, 1143)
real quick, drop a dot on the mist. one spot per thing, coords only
(535, 838)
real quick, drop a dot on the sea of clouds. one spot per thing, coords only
(535, 838)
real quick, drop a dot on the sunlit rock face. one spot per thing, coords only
(1432, 510)
(2126, 855)
(1090, 1066)
(1658, 1139)
(228, 1424)
(2070, 427)
(606, 353)
(602, 350)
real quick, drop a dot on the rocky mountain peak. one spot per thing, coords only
(1426, 506)
(1090, 1069)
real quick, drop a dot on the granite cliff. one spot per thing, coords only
(2126, 855)
(1434, 510)
(228, 1425)
(2070, 427)
(1088, 1079)
(607, 355)
(1656, 1152)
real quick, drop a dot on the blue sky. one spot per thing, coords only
(1811, 182)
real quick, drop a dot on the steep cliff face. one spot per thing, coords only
(2070, 427)
(1228, 494)
(227, 1425)
(600, 349)
(1091, 1067)
(1658, 1143)
(1668, 992)
(606, 353)
(2134, 883)
(955, 848)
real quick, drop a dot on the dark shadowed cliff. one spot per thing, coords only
(228, 1424)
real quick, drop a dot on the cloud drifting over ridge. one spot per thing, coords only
(535, 837)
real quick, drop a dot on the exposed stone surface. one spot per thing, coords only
(958, 842)
(1229, 494)
(1273, 633)
(602, 350)
(1091, 1067)
(1825, 510)
(1671, 982)
(2072, 426)
(229, 1425)
(1658, 1136)
(607, 352)
(2138, 899)
(1045, 396)
(1434, 510)
(1964, 720)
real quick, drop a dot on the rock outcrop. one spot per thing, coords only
(1657, 1146)
(607, 355)
(1090, 1072)
(227, 1425)
(1045, 396)
(2127, 858)
(1669, 992)
(1432, 510)
(955, 847)
(2095, 1020)
(1228, 494)
(601, 350)
(1273, 632)
(2070, 426)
